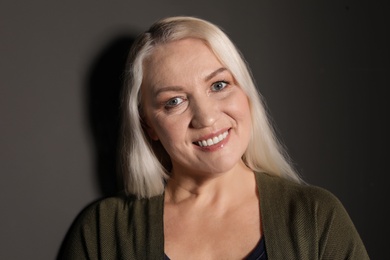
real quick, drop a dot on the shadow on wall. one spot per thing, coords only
(103, 92)
(104, 87)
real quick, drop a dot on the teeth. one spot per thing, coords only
(214, 140)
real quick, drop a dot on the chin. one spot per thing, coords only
(222, 167)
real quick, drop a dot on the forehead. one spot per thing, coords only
(179, 59)
(180, 50)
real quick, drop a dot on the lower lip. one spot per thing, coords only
(215, 147)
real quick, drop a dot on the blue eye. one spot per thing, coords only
(218, 86)
(174, 102)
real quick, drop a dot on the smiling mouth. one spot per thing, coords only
(212, 141)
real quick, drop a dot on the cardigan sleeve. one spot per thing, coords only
(116, 228)
(337, 235)
(306, 222)
(81, 241)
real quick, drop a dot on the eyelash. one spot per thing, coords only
(219, 82)
(170, 106)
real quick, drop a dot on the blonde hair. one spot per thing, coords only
(145, 164)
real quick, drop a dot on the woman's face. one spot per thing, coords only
(193, 106)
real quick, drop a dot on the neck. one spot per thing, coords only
(209, 188)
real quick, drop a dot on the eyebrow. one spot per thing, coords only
(213, 74)
(178, 88)
(167, 89)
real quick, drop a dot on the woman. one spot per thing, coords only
(205, 177)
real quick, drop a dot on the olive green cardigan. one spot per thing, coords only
(299, 222)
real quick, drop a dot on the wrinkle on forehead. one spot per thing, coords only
(173, 58)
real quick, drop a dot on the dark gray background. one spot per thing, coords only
(322, 66)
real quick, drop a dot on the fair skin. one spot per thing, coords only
(193, 106)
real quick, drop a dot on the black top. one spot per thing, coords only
(258, 253)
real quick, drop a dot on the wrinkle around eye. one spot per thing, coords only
(175, 108)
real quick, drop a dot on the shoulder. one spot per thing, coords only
(118, 207)
(298, 194)
(106, 204)
(312, 217)
(290, 201)
(307, 209)
(109, 222)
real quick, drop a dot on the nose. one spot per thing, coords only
(204, 112)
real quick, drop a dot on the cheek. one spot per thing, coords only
(248, 115)
(239, 106)
(244, 118)
(247, 110)
(169, 130)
